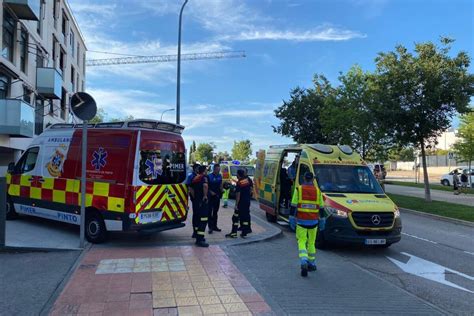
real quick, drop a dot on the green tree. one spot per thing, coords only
(464, 148)
(223, 156)
(99, 116)
(242, 150)
(204, 152)
(420, 93)
(349, 120)
(192, 153)
(301, 115)
(404, 154)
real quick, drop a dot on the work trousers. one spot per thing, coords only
(242, 216)
(306, 243)
(202, 217)
(214, 204)
(225, 196)
(195, 219)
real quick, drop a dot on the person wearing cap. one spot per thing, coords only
(307, 200)
(188, 182)
(243, 196)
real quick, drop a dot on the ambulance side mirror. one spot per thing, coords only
(11, 167)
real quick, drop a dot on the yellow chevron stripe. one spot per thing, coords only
(145, 198)
(140, 191)
(183, 195)
(155, 197)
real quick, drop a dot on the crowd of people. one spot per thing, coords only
(206, 191)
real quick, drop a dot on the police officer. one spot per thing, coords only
(200, 190)
(307, 200)
(189, 180)
(215, 194)
(243, 195)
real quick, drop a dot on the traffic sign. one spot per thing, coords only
(83, 106)
(450, 155)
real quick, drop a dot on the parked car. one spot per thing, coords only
(447, 179)
(377, 167)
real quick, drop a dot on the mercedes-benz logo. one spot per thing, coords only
(376, 220)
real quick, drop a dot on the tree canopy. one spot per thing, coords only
(204, 152)
(242, 149)
(464, 148)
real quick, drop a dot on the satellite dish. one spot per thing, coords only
(83, 106)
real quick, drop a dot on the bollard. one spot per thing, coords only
(3, 210)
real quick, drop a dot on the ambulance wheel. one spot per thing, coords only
(96, 232)
(321, 242)
(270, 217)
(11, 213)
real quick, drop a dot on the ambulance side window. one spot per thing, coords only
(303, 169)
(162, 167)
(28, 161)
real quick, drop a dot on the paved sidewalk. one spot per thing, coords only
(182, 280)
(436, 195)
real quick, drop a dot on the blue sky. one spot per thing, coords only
(286, 42)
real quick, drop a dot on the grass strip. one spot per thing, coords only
(422, 186)
(445, 209)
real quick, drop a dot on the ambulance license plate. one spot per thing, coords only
(375, 241)
(149, 217)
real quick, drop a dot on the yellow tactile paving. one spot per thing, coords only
(213, 309)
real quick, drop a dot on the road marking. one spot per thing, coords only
(429, 270)
(420, 238)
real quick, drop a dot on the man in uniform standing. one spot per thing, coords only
(307, 200)
(243, 191)
(200, 188)
(215, 191)
(189, 180)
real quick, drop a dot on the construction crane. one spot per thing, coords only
(164, 58)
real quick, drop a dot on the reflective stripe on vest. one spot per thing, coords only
(308, 208)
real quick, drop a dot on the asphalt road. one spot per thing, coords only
(431, 271)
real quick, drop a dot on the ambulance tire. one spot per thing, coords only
(11, 213)
(321, 242)
(96, 232)
(271, 218)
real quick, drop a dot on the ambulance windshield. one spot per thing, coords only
(346, 179)
(250, 170)
(162, 167)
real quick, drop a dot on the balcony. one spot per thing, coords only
(48, 83)
(16, 118)
(25, 9)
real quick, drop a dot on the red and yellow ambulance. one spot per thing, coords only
(135, 173)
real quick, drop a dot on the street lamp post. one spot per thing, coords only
(178, 81)
(162, 113)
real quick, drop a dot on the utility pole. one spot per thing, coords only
(178, 81)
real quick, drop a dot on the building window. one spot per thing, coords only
(54, 51)
(26, 95)
(62, 61)
(77, 83)
(39, 24)
(4, 86)
(23, 50)
(84, 64)
(78, 55)
(64, 26)
(83, 86)
(56, 12)
(72, 42)
(73, 76)
(63, 104)
(9, 26)
(39, 57)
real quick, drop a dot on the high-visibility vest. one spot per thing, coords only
(308, 205)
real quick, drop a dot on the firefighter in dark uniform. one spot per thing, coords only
(243, 195)
(200, 188)
(215, 194)
(189, 180)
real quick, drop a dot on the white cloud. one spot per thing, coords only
(319, 34)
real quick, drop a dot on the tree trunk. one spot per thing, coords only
(425, 173)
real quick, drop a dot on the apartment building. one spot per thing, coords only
(42, 63)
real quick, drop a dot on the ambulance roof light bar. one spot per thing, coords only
(146, 124)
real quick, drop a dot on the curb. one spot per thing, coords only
(271, 232)
(36, 249)
(52, 299)
(438, 217)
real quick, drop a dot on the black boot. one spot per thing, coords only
(202, 243)
(231, 235)
(217, 229)
(304, 270)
